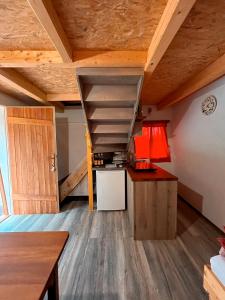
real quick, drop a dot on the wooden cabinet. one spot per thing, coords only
(152, 205)
(130, 201)
(31, 158)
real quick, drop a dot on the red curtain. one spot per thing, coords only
(142, 147)
(153, 143)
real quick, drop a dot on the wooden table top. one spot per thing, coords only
(26, 262)
(159, 175)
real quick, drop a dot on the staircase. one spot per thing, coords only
(72, 180)
(110, 98)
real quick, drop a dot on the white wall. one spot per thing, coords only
(199, 146)
(6, 101)
(4, 163)
(71, 144)
(9, 101)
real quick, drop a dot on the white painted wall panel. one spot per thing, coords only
(199, 147)
(71, 145)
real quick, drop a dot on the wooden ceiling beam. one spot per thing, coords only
(110, 59)
(81, 58)
(211, 73)
(64, 97)
(172, 18)
(48, 18)
(24, 86)
(28, 59)
(21, 84)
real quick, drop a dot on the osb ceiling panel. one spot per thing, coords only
(20, 29)
(51, 80)
(110, 25)
(199, 42)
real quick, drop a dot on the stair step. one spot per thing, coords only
(101, 139)
(109, 76)
(73, 180)
(109, 148)
(110, 114)
(110, 128)
(110, 98)
(101, 93)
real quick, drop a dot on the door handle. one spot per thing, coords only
(52, 163)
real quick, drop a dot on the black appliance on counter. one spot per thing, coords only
(143, 165)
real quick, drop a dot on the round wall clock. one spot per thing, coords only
(209, 105)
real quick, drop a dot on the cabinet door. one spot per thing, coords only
(110, 190)
(32, 151)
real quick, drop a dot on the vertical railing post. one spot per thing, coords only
(90, 175)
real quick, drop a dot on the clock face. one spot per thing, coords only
(209, 105)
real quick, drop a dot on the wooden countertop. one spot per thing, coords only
(27, 263)
(159, 175)
(107, 169)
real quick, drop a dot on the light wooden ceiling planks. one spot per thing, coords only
(199, 42)
(48, 18)
(110, 25)
(51, 80)
(20, 29)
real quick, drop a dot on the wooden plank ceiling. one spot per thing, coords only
(174, 41)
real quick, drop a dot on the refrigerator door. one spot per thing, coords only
(110, 190)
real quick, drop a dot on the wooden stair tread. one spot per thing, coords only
(110, 139)
(109, 148)
(110, 113)
(108, 72)
(101, 93)
(110, 128)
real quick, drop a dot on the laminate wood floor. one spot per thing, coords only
(102, 261)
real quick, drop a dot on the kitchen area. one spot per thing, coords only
(146, 191)
(122, 170)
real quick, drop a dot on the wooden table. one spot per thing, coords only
(212, 285)
(29, 264)
(152, 204)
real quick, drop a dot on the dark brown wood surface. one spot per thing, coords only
(28, 263)
(159, 175)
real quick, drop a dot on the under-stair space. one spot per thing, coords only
(110, 98)
(72, 181)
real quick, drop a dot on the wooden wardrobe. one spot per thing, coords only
(31, 154)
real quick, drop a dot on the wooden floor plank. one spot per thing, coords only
(102, 261)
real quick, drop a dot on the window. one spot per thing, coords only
(153, 143)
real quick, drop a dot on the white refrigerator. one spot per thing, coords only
(110, 188)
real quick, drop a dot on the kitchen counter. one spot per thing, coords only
(152, 204)
(107, 169)
(159, 175)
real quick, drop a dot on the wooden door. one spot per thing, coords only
(32, 151)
